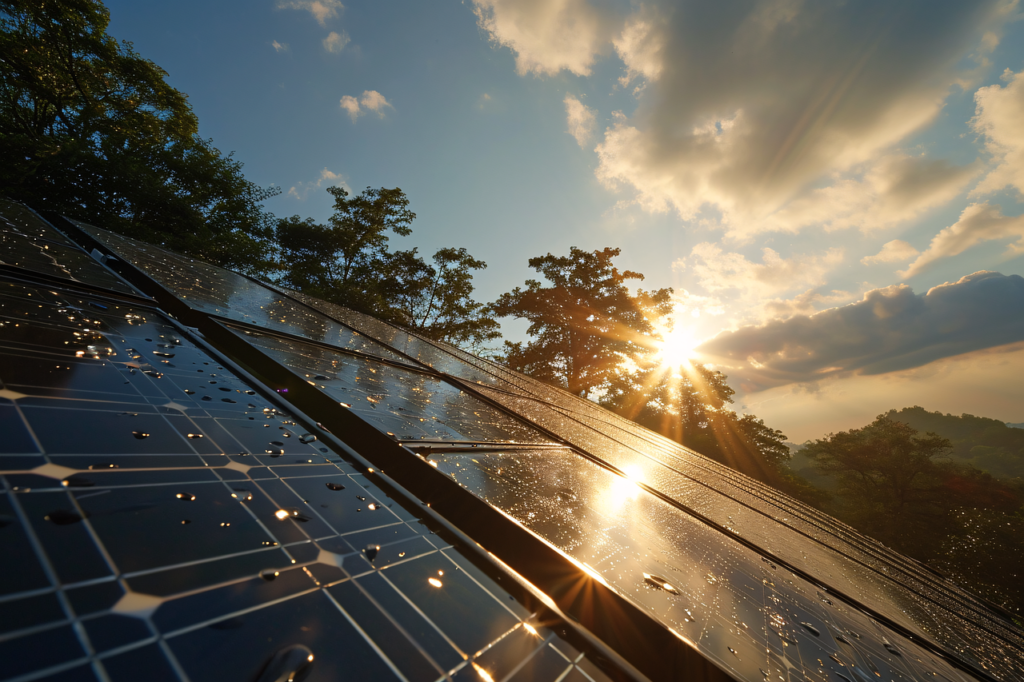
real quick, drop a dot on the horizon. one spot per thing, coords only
(825, 188)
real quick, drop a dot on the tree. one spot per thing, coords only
(348, 262)
(689, 405)
(584, 324)
(90, 129)
(446, 310)
(894, 486)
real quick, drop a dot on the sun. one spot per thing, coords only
(677, 348)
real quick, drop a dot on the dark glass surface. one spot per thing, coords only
(28, 242)
(221, 292)
(739, 608)
(19, 219)
(868, 569)
(160, 519)
(406, 404)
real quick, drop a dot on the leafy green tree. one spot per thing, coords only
(585, 323)
(347, 261)
(90, 129)
(446, 310)
(894, 485)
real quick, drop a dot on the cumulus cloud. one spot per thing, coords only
(580, 118)
(804, 304)
(770, 115)
(896, 251)
(547, 35)
(370, 100)
(336, 42)
(978, 223)
(890, 329)
(301, 190)
(999, 116)
(717, 270)
(322, 10)
(279, 47)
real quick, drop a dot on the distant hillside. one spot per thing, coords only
(1015, 425)
(988, 444)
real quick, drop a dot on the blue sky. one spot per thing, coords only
(769, 159)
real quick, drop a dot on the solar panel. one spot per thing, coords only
(206, 498)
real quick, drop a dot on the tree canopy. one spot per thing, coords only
(584, 322)
(92, 130)
(348, 262)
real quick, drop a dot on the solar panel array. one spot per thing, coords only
(170, 506)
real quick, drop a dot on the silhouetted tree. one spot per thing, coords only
(90, 129)
(585, 323)
(347, 261)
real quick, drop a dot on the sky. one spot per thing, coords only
(832, 189)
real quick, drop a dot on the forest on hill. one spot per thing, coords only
(945, 490)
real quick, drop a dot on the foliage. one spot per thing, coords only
(584, 323)
(348, 262)
(90, 129)
(446, 310)
(894, 485)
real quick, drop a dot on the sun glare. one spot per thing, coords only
(677, 348)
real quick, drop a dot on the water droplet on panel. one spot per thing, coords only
(335, 486)
(371, 551)
(291, 664)
(811, 629)
(434, 582)
(76, 481)
(660, 583)
(277, 443)
(140, 434)
(269, 543)
(269, 574)
(307, 438)
(195, 435)
(63, 517)
(891, 649)
(103, 465)
(241, 494)
(185, 497)
(291, 513)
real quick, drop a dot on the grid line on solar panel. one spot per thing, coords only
(113, 521)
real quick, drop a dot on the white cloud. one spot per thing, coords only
(580, 118)
(351, 105)
(776, 115)
(370, 100)
(280, 47)
(999, 116)
(375, 102)
(896, 251)
(336, 42)
(890, 329)
(301, 190)
(639, 45)
(719, 271)
(322, 10)
(547, 36)
(978, 223)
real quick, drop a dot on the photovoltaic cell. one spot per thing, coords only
(161, 519)
(160, 512)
